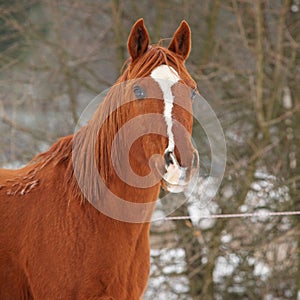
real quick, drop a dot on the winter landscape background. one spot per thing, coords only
(56, 56)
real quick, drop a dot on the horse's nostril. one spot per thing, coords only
(195, 159)
(168, 158)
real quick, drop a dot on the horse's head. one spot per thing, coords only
(162, 92)
(140, 136)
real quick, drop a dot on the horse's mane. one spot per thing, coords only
(90, 136)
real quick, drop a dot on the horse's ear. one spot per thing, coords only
(181, 41)
(138, 40)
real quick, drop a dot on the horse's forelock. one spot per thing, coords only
(154, 57)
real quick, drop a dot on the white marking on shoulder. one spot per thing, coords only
(166, 77)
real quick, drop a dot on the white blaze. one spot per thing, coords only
(166, 77)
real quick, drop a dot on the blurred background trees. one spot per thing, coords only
(55, 56)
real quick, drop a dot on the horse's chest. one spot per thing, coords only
(129, 266)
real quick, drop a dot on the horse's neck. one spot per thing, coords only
(95, 179)
(100, 149)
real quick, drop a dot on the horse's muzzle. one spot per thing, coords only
(176, 177)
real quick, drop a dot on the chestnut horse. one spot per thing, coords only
(64, 237)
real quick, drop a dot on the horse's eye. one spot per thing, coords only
(139, 92)
(193, 94)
